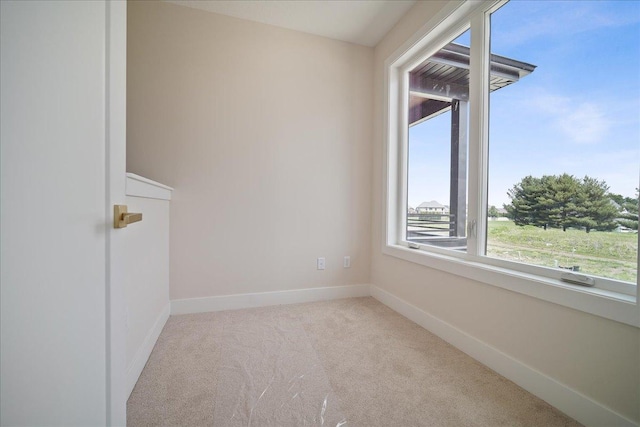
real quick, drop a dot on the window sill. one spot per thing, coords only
(610, 305)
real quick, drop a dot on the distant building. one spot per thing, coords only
(411, 210)
(623, 229)
(432, 207)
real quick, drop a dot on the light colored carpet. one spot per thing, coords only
(351, 362)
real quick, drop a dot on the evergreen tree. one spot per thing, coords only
(627, 210)
(563, 193)
(524, 201)
(563, 201)
(596, 210)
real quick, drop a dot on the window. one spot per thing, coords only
(513, 150)
(438, 147)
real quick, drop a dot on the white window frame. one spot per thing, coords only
(609, 299)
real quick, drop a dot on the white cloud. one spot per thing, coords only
(585, 123)
(581, 122)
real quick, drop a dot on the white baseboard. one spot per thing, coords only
(234, 302)
(576, 405)
(144, 351)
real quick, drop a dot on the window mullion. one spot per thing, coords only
(403, 139)
(478, 133)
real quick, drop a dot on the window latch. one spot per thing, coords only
(471, 228)
(578, 279)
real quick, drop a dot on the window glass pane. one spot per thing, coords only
(438, 147)
(564, 136)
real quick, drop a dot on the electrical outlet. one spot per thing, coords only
(320, 263)
(347, 262)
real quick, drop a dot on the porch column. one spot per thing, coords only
(458, 180)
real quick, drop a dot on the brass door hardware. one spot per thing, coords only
(121, 218)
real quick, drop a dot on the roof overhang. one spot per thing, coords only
(444, 77)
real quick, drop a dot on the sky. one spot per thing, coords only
(577, 113)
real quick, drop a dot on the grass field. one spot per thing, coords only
(606, 254)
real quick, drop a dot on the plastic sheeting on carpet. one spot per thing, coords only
(270, 375)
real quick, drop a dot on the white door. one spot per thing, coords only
(62, 147)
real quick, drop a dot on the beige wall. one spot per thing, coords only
(265, 134)
(597, 357)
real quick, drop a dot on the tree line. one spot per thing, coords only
(564, 201)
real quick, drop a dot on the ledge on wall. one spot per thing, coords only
(138, 186)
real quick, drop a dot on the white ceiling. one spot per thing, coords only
(363, 22)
